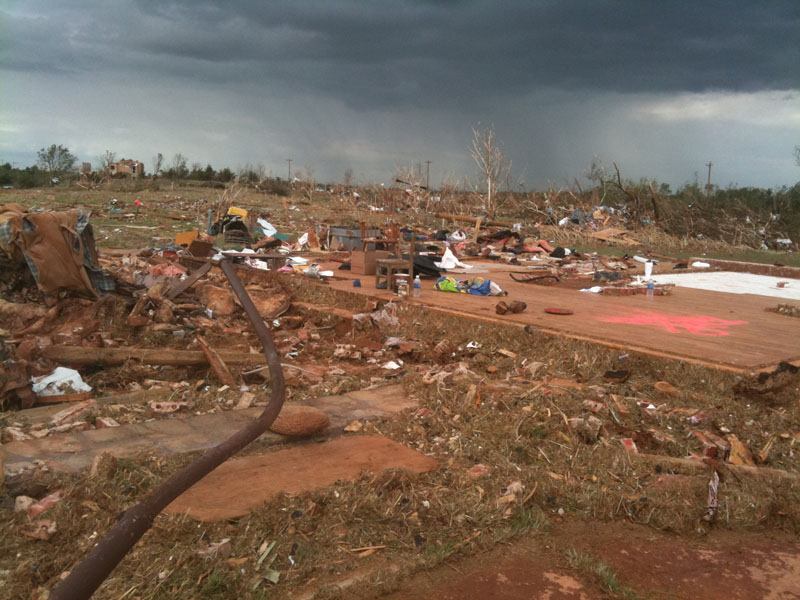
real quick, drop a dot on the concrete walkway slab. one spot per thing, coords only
(76, 451)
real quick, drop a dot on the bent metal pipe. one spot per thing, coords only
(87, 576)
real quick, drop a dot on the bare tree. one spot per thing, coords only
(307, 182)
(412, 178)
(178, 167)
(348, 177)
(598, 175)
(492, 163)
(104, 161)
(158, 163)
(797, 155)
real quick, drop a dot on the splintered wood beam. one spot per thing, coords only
(78, 355)
(220, 368)
(473, 220)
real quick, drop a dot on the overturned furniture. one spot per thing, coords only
(386, 269)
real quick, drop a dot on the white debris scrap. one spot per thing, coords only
(60, 381)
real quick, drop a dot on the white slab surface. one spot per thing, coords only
(735, 283)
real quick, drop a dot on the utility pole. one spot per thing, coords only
(428, 174)
(289, 160)
(708, 185)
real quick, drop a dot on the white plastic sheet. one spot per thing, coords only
(449, 261)
(267, 227)
(60, 381)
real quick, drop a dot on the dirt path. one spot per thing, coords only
(652, 565)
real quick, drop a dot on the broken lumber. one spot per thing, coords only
(78, 355)
(220, 368)
(698, 467)
(184, 284)
(335, 311)
(170, 216)
(474, 220)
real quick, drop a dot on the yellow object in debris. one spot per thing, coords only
(237, 211)
(186, 238)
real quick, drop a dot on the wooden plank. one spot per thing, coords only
(62, 398)
(78, 355)
(473, 220)
(220, 368)
(184, 284)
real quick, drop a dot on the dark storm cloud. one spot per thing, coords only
(421, 53)
(661, 87)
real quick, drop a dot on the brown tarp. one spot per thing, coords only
(51, 242)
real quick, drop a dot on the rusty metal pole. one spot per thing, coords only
(87, 576)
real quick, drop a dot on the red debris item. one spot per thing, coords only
(13, 434)
(623, 410)
(545, 246)
(40, 530)
(104, 422)
(559, 311)
(73, 413)
(167, 407)
(168, 270)
(479, 471)
(45, 503)
(629, 445)
(594, 406)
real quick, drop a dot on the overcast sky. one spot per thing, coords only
(659, 86)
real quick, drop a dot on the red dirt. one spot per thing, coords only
(242, 484)
(723, 565)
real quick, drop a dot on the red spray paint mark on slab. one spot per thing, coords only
(695, 324)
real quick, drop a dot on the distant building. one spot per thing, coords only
(127, 166)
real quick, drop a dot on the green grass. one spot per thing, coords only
(527, 519)
(602, 574)
(757, 256)
(766, 257)
(217, 585)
